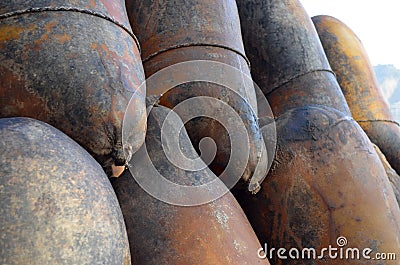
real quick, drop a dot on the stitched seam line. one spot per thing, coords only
(196, 44)
(298, 76)
(390, 121)
(71, 9)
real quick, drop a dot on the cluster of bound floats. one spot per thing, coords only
(70, 71)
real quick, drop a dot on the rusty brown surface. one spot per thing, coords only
(176, 31)
(287, 58)
(394, 178)
(74, 71)
(326, 181)
(115, 10)
(199, 128)
(318, 88)
(386, 135)
(164, 25)
(161, 233)
(356, 77)
(57, 205)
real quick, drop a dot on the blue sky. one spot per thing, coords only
(376, 23)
